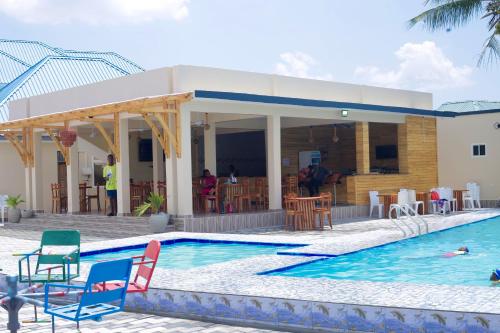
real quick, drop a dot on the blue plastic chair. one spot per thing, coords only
(94, 304)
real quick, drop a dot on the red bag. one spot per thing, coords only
(434, 196)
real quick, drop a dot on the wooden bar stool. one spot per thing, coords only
(83, 197)
(59, 198)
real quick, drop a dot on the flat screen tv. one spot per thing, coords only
(386, 152)
(145, 150)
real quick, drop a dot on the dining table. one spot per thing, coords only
(307, 206)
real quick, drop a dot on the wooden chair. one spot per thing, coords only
(96, 197)
(244, 200)
(292, 211)
(213, 199)
(59, 198)
(231, 195)
(324, 209)
(196, 194)
(162, 190)
(136, 196)
(259, 194)
(83, 197)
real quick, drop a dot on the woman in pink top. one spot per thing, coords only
(208, 183)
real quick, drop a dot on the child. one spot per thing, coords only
(495, 276)
(461, 251)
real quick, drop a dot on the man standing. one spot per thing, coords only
(109, 173)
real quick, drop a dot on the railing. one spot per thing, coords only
(411, 216)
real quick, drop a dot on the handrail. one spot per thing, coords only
(412, 216)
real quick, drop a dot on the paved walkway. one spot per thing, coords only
(124, 323)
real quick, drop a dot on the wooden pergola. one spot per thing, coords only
(155, 111)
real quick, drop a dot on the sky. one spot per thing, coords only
(364, 42)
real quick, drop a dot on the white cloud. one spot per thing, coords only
(94, 12)
(298, 64)
(422, 66)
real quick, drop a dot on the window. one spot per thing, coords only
(478, 150)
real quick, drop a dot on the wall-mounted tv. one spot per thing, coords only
(386, 152)
(145, 150)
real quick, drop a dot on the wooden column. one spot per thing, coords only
(403, 148)
(362, 148)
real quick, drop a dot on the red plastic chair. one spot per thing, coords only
(147, 264)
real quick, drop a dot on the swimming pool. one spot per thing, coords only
(189, 253)
(417, 260)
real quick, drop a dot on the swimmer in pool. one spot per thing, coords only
(461, 251)
(495, 276)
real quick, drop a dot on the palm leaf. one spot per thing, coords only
(448, 13)
(490, 52)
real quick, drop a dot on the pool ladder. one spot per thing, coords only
(411, 216)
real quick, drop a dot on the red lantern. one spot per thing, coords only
(67, 137)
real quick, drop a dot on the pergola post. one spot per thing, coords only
(157, 164)
(37, 173)
(362, 148)
(122, 165)
(210, 150)
(170, 173)
(273, 144)
(183, 167)
(73, 179)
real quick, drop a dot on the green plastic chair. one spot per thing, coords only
(58, 258)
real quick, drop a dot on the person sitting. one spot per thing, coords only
(208, 183)
(233, 173)
(318, 177)
(461, 251)
(495, 276)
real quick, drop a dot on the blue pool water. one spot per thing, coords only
(186, 254)
(417, 260)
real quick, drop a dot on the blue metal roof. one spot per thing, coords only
(29, 68)
(469, 106)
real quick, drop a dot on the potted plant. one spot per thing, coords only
(158, 221)
(14, 213)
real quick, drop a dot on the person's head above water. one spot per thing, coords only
(463, 249)
(495, 276)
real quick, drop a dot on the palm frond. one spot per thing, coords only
(448, 14)
(490, 52)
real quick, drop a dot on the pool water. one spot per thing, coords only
(417, 260)
(189, 254)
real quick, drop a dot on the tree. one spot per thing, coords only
(447, 14)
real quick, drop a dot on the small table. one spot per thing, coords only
(307, 205)
(459, 195)
(388, 199)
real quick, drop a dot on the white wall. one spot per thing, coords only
(456, 164)
(12, 178)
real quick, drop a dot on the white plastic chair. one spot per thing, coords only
(412, 201)
(402, 201)
(3, 206)
(375, 202)
(467, 198)
(477, 195)
(448, 195)
(472, 196)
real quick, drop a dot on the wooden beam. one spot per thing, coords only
(178, 130)
(117, 136)
(64, 150)
(13, 139)
(109, 141)
(166, 130)
(101, 110)
(166, 119)
(156, 132)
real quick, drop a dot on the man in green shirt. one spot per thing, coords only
(109, 173)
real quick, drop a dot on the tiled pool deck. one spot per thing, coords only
(233, 292)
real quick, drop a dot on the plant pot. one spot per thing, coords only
(26, 213)
(14, 215)
(158, 222)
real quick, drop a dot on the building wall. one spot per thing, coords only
(457, 166)
(12, 179)
(418, 169)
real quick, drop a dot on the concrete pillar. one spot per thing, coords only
(273, 150)
(28, 202)
(210, 150)
(183, 166)
(37, 173)
(158, 174)
(362, 148)
(123, 170)
(170, 172)
(73, 179)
